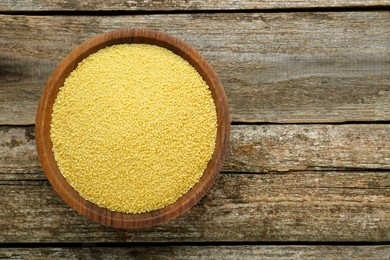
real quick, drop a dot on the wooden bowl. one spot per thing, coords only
(44, 143)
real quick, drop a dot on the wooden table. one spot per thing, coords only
(308, 171)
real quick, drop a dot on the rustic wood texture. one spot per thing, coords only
(253, 148)
(309, 147)
(18, 152)
(325, 183)
(163, 5)
(327, 206)
(275, 67)
(201, 252)
(45, 146)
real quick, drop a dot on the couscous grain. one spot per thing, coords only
(133, 127)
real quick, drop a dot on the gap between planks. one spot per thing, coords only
(194, 244)
(175, 5)
(338, 251)
(54, 12)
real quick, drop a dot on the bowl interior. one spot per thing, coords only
(44, 144)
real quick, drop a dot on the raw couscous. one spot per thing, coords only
(133, 127)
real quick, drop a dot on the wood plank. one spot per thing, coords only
(134, 5)
(329, 206)
(308, 147)
(201, 252)
(276, 67)
(253, 148)
(18, 152)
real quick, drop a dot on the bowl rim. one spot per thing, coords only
(44, 144)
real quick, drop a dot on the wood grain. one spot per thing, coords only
(201, 252)
(253, 148)
(308, 147)
(18, 152)
(327, 206)
(162, 5)
(275, 67)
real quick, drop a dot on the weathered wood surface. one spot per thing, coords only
(304, 147)
(253, 148)
(161, 5)
(201, 252)
(276, 67)
(327, 206)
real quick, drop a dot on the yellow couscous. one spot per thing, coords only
(133, 127)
